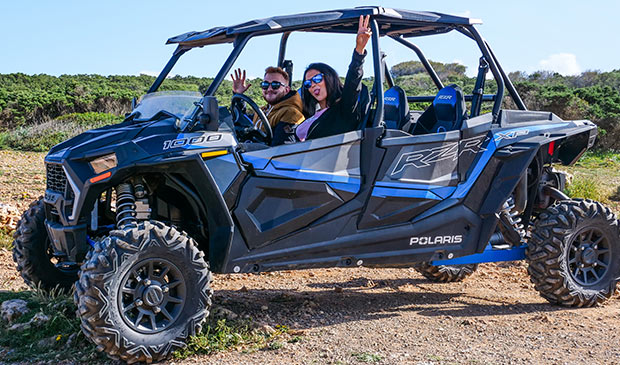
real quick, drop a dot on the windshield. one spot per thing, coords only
(177, 103)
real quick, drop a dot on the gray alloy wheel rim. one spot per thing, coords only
(589, 256)
(152, 295)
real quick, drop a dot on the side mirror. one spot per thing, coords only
(209, 118)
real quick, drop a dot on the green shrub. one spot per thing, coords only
(586, 188)
(41, 137)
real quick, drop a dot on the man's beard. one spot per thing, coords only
(277, 99)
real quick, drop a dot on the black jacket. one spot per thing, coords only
(346, 114)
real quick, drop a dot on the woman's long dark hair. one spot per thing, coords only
(333, 86)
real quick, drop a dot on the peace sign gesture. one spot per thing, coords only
(363, 34)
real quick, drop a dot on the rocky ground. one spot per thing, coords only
(383, 316)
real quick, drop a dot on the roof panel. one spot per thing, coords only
(391, 21)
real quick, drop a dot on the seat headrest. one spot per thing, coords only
(449, 107)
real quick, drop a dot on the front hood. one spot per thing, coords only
(136, 142)
(90, 141)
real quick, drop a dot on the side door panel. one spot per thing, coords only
(417, 173)
(293, 185)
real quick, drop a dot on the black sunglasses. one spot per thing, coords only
(274, 85)
(316, 79)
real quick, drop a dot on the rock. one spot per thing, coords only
(19, 327)
(9, 215)
(310, 304)
(296, 332)
(39, 319)
(264, 308)
(225, 313)
(12, 309)
(48, 342)
(264, 328)
(71, 340)
(542, 318)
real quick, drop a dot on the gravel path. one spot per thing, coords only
(395, 316)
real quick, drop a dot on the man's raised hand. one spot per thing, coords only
(238, 79)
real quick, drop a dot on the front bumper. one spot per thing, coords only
(69, 241)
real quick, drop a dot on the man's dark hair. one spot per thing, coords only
(333, 86)
(277, 70)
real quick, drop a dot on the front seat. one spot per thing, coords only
(445, 114)
(396, 108)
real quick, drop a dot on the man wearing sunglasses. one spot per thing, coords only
(283, 109)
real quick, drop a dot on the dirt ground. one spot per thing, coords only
(383, 316)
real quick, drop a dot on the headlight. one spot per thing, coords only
(103, 163)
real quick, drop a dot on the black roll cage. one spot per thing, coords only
(381, 71)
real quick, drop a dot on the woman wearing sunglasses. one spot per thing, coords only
(331, 107)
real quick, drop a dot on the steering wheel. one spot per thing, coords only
(246, 129)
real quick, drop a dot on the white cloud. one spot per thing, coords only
(562, 63)
(149, 73)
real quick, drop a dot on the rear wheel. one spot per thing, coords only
(142, 292)
(446, 273)
(34, 256)
(574, 253)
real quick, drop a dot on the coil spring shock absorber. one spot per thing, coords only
(125, 205)
(510, 223)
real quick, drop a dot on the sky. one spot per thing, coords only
(128, 37)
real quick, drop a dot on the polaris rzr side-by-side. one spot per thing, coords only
(138, 215)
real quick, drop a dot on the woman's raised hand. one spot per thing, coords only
(363, 34)
(238, 79)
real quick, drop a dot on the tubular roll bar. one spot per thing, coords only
(472, 33)
(502, 80)
(422, 58)
(511, 89)
(282, 50)
(430, 98)
(378, 66)
(239, 44)
(178, 52)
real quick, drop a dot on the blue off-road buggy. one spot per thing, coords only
(142, 212)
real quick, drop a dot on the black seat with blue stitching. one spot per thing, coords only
(445, 114)
(395, 108)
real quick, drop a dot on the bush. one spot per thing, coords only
(27, 100)
(585, 188)
(41, 137)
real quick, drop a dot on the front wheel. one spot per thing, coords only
(34, 255)
(142, 292)
(574, 253)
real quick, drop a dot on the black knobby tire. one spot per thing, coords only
(446, 273)
(134, 320)
(31, 252)
(574, 253)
